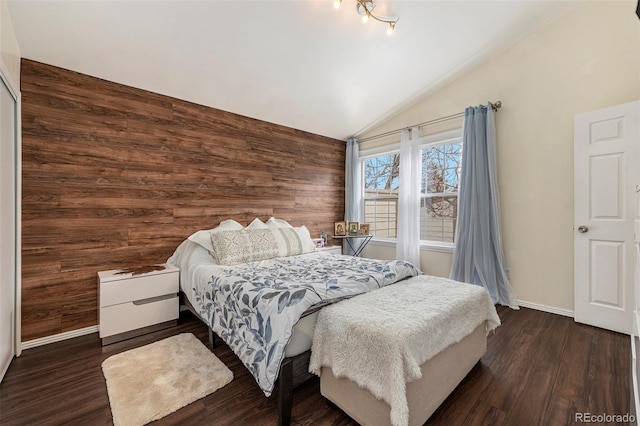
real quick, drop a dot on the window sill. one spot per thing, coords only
(423, 246)
(383, 242)
(436, 247)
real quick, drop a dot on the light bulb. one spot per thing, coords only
(365, 18)
(392, 27)
(337, 3)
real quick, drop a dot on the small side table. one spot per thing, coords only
(136, 301)
(356, 246)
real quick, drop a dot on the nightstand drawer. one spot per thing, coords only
(138, 288)
(130, 316)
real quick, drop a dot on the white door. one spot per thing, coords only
(605, 166)
(7, 226)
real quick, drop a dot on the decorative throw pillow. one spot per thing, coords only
(203, 238)
(288, 241)
(246, 245)
(293, 241)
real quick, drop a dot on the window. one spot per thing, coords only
(441, 157)
(381, 184)
(439, 191)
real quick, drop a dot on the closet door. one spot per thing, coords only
(8, 156)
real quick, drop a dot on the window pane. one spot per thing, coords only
(441, 168)
(438, 218)
(381, 216)
(381, 182)
(381, 175)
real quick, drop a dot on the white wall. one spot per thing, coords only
(9, 50)
(586, 60)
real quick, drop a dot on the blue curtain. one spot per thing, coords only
(352, 187)
(478, 257)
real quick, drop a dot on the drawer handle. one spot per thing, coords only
(154, 299)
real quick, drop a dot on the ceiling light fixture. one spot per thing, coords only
(365, 9)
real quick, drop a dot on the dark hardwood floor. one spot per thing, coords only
(539, 369)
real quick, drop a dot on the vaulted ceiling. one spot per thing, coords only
(302, 64)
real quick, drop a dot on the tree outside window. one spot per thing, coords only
(381, 185)
(439, 191)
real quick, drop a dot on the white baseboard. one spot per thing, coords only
(59, 337)
(545, 308)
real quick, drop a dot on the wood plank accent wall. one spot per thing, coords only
(116, 177)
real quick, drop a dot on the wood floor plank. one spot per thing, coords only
(539, 369)
(542, 375)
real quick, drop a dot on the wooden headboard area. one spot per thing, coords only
(116, 177)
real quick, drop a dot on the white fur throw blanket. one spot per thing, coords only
(379, 339)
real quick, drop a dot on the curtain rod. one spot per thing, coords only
(496, 106)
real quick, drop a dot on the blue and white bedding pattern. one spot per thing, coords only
(254, 306)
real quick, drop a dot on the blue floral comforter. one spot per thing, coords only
(253, 307)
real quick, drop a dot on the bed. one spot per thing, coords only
(259, 289)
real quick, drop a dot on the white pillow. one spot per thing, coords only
(203, 238)
(278, 223)
(176, 257)
(228, 225)
(305, 238)
(256, 224)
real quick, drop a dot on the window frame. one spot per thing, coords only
(442, 138)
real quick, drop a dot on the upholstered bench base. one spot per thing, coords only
(440, 376)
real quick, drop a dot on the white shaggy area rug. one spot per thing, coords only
(147, 383)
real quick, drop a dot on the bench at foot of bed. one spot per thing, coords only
(440, 376)
(393, 355)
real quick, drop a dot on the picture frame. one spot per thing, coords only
(365, 229)
(353, 228)
(340, 229)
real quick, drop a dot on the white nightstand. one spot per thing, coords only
(137, 301)
(332, 249)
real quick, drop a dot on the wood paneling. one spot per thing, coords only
(116, 177)
(539, 369)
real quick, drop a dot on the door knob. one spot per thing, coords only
(583, 229)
